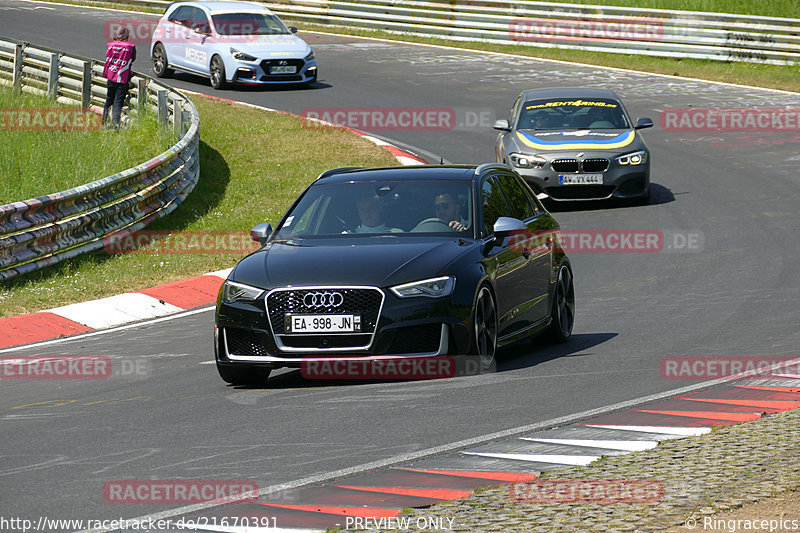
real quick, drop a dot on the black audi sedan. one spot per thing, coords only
(396, 263)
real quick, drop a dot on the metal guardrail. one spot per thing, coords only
(48, 229)
(655, 32)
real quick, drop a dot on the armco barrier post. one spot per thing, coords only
(86, 89)
(17, 74)
(177, 117)
(52, 77)
(141, 97)
(162, 109)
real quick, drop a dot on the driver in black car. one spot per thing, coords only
(449, 210)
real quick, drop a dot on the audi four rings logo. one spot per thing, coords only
(323, 299)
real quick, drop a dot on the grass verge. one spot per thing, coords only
(41, 162)
(253, 164)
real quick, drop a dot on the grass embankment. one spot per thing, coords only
(253, 164)
(41, 162)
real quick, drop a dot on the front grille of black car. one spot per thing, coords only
(297, 63)
(326, 341)
(244, 342)
(365, 303)
(580, 192)
(595, 164)
(566, 165)
(416, 340)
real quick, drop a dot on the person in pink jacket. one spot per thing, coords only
(120, 55)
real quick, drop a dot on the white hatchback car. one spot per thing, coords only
(230, 42)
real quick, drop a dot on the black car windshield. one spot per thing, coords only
(248, 24)
(572, 113)
(408, 207)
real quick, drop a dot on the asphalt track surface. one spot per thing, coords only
(61, 440)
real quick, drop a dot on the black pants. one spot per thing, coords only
(115, 96)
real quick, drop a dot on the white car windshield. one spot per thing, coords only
(248, 24)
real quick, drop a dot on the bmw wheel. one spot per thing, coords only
(563, 312)
(217, 73)
(485, 327)
(160, 62)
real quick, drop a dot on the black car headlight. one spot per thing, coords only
(527, 161)
(310, 56)
(239, 292)
(431, 288)
(635, 158)
(241, 56)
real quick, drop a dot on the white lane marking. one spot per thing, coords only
(105, 331)
(660, 430)
(206, 362)
(789, 376)
(157, 15)
(624, 445)
(574, 460)
(220, 273)
(116, 310)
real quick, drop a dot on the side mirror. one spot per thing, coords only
(261, 233)
(644, 122)
(505, 226)
(501, 125)
(293, 29)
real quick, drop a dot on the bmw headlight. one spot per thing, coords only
(636, 158)
(241, 56)
(431, 288)
(239, 292)
(310, 56)
(527, 161)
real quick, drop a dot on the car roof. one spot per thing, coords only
(417, 172)
(576, 92)
(227, 7)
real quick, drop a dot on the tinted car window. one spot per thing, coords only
(182, 15)
(376, 207)
(515, 197)
(494, 205)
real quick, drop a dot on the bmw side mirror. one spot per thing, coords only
(293, 29)
(644, 122)
(501, 125)
(261, 233)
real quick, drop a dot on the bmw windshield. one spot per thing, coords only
(381, 207)
(574, 113)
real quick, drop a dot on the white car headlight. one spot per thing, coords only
(527, 161)
(635, 158)
(431, 288)
(241, 56)
(239, 292)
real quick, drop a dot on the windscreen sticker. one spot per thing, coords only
(574, 103)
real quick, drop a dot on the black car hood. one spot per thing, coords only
(378, 260)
